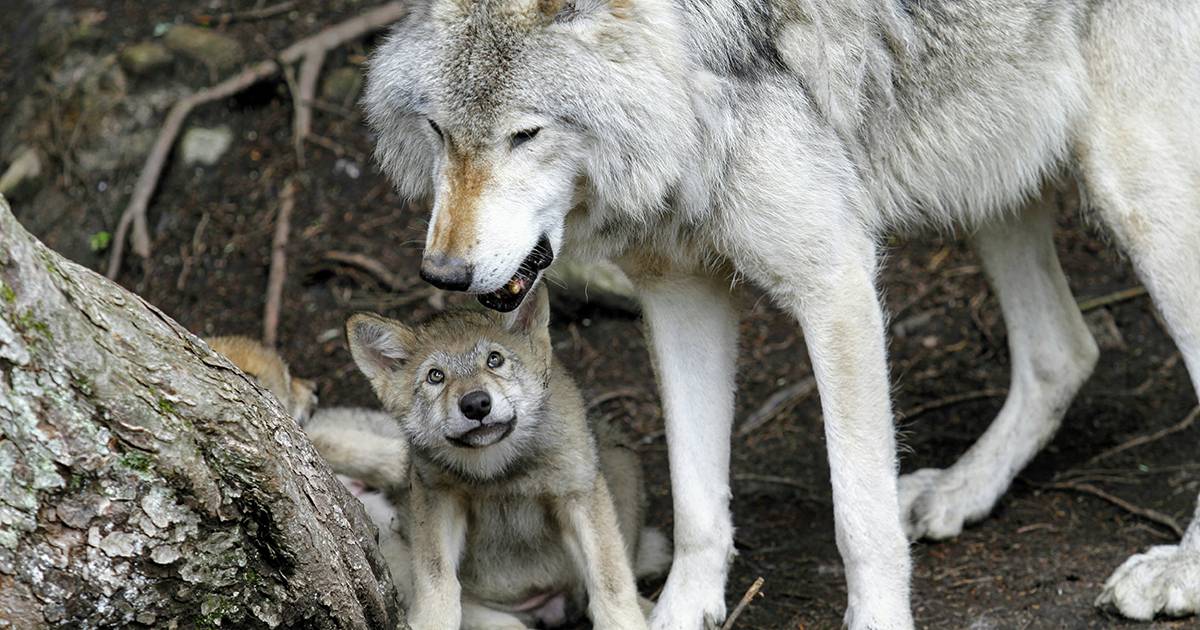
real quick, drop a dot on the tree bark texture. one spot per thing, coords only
(145, 482)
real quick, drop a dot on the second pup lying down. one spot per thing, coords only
(515, 510)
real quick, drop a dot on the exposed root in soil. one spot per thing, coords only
(275, 280)
(310, 52)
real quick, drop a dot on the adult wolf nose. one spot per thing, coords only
(446, 272)
(476, 405)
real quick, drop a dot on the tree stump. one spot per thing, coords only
(146, 482)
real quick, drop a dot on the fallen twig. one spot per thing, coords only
(1111, 298)
(926, 407)
(370, 265)
(745, 601)
(1146, 513)
(135, 213)
(625, 392)
(306, 49)
(775, 404)
(782, 481)
(775, 479)
(1182, 425)
(278, 273)
(246, 16)
(306, 90)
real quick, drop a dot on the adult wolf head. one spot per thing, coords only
(509, 114)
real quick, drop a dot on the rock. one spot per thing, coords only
(145, 58)
(205, 146)
(61, 29)
(600, 284)
(342, 85)
(215, 50)
(24, 176)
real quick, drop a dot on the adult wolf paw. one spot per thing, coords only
(1163, 581)
(934, 504)
(692, 598)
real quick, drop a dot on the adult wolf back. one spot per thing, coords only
(776, 142)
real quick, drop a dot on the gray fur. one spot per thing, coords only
(699, 142)
(516, 492)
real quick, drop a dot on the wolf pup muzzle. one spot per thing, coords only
(510, 296)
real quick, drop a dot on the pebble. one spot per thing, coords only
(213, 49)
(205, 146)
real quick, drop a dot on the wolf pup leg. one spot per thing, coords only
(593, 536)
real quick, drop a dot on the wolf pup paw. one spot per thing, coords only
(1163, 581)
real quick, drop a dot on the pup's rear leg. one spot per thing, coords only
(480, 617)
(1052, 353)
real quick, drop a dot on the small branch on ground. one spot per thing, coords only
(1141, 440)
(1112, 298)
(306, 92)
(311, 50)
(251, 15)
(751, 593)
(926, 407)
(1151, 515)
(361, 261)
(776, 404)
(616, 394)
(135, 213)
(278, 273)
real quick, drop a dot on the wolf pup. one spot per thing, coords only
(515, 514)
(297, 395)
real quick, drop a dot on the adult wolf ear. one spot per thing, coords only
(379, 346)
(532, 318)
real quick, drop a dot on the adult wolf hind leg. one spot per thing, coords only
(1164, 580)
(1052, 354)
(1137, 156)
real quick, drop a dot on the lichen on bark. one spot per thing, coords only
(144, 481)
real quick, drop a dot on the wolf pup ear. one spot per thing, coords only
(379, 345)
(532, 318)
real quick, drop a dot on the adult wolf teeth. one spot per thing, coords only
(514, 286)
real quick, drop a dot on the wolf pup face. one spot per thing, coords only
(468, 388)
(511, 113)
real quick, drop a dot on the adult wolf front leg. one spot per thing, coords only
(821, 267)
(693, 338)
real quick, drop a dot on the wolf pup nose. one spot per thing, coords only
(519, 513)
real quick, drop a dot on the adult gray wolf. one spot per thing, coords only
(699, 142)
(514, 511)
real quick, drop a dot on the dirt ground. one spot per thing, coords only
(1038, 562)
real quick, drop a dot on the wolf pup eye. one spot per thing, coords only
(436, 128)
(435, 376)
(495, 360)
(521, 137)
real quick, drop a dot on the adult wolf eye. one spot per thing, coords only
(495, 360)
(436, 128)
(521, 137)
(435, 376)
